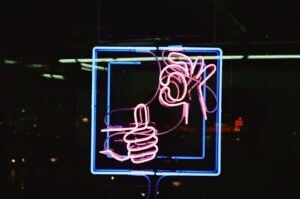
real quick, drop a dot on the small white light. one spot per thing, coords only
(85, 119)
(143, 194)
(58, 77)
(53, 159)
(67, 61)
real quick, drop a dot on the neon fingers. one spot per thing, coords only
(178, 75)
(141, 140)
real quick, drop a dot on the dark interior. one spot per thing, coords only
(45, 122)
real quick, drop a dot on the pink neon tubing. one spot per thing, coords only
(176, 73)
(141, 139)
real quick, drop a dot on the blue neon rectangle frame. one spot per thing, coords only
(213, 172)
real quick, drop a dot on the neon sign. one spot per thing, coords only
(180, 78)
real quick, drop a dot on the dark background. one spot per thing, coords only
(44, 138)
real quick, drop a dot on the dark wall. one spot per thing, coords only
(43, 118)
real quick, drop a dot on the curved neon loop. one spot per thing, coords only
(182, 74)
(141, 140)
(174, 74)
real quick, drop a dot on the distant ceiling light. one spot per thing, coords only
(233, 57)
(36, 65)
(22, 159)
(58, 77)
(9, 61)
(47, 75)
(86, 69)
(89, 66)
(105, 60)
(86, 65)
(90, 60)
(273, 57)
(54, 76)
(13, 160)
(65, 61)
(84, 61)
(87, 60)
